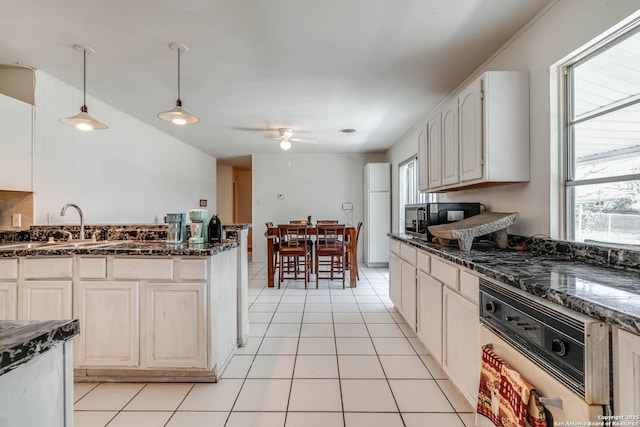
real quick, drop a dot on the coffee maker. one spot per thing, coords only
(177, 230)
(199, 232)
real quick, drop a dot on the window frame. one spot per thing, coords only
(567, 123)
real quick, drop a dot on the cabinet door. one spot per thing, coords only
(423, 161)
(461, 342)
(627, 373)
(430, 314)
(8, 300)
(109, 323)
(450, 166)
(44, 300)
(409, 293)
(16, 118)
(395, 280)
(175, 325)
(471, 132)
(434, 143)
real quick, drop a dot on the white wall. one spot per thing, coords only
(565, 27)
(129, 173)
(313, 185)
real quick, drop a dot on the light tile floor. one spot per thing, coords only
(327, 357)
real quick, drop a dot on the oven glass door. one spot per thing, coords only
(574, 408)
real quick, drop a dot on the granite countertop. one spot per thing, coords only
(22, 340)
(134, 248)
(609, 294)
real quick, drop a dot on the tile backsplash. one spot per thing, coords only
(15, 202)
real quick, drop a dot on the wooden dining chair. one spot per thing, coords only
(295, 252)
(348, 249)
(276, 245)
(327, 221)
(331, 245)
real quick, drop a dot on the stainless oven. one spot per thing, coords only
(563, 353)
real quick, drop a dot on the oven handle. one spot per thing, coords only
(551, 401)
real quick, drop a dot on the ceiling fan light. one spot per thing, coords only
(83, 120)
(285, 144)
(178, 116)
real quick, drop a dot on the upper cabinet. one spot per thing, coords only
(481, 136)
(16, 129)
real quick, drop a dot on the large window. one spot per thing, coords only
(603, 143)
(408, 188)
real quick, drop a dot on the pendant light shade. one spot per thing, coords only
(83, 120)
(285, 144)
(177, 115)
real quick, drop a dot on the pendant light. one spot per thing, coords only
(285, 144)
(177, 115)
(83, 120)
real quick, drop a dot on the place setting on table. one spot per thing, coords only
(305, 256)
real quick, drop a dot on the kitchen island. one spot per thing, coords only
(148, 311)
(36, 380)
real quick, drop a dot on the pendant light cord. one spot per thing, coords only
(84, 77)
(179, 73)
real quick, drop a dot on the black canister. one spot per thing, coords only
(215, 229)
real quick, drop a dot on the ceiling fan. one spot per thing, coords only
(284, 135)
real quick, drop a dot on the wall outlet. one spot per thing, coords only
(16, 220)
(50, 217)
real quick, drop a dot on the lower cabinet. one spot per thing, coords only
(626, 400)
(430, 314)
(8, 300)
(461, 342)
(175, 325)
(395, 279)
(409, 293)
(109, 324)
(44, 300)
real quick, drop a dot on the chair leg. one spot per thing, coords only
(280, 272)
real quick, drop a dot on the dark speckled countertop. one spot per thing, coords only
(609, 294)
(22, 340)
(133, 248)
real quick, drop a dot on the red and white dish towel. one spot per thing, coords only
(505, 396)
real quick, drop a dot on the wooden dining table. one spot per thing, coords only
(272, 235)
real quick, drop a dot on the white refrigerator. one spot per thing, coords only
(377, 214)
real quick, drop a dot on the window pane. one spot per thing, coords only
(609, 77)
(607, 212)
(608, 145)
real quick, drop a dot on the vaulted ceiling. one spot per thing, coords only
(315, 66)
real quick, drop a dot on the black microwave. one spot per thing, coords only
(419, 216)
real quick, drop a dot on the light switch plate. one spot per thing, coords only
(16, 220)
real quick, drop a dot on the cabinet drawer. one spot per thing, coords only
(469, 286)
(148, 268)
(48, 268)
(193, 269)
(8, 269)
(92, 268)
(424, 262)
(446, 273)
(408, 253)
(394, 246)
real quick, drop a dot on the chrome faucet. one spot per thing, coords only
(64, 208)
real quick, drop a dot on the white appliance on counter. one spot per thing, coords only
(377, 214)
(564, 354)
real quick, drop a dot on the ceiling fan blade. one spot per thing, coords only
(309, 141)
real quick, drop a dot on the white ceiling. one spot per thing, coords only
(316, 66)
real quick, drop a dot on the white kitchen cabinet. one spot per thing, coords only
(8, 300)
(430, 314)
(423, 170)
(16, 135)
(175, 327)
(44, 300)
(109, 323)
(434, 152)
(470, 137)
(626, 368)
(395, 279)
(450, 158)
(461, 342)
(408, 297)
